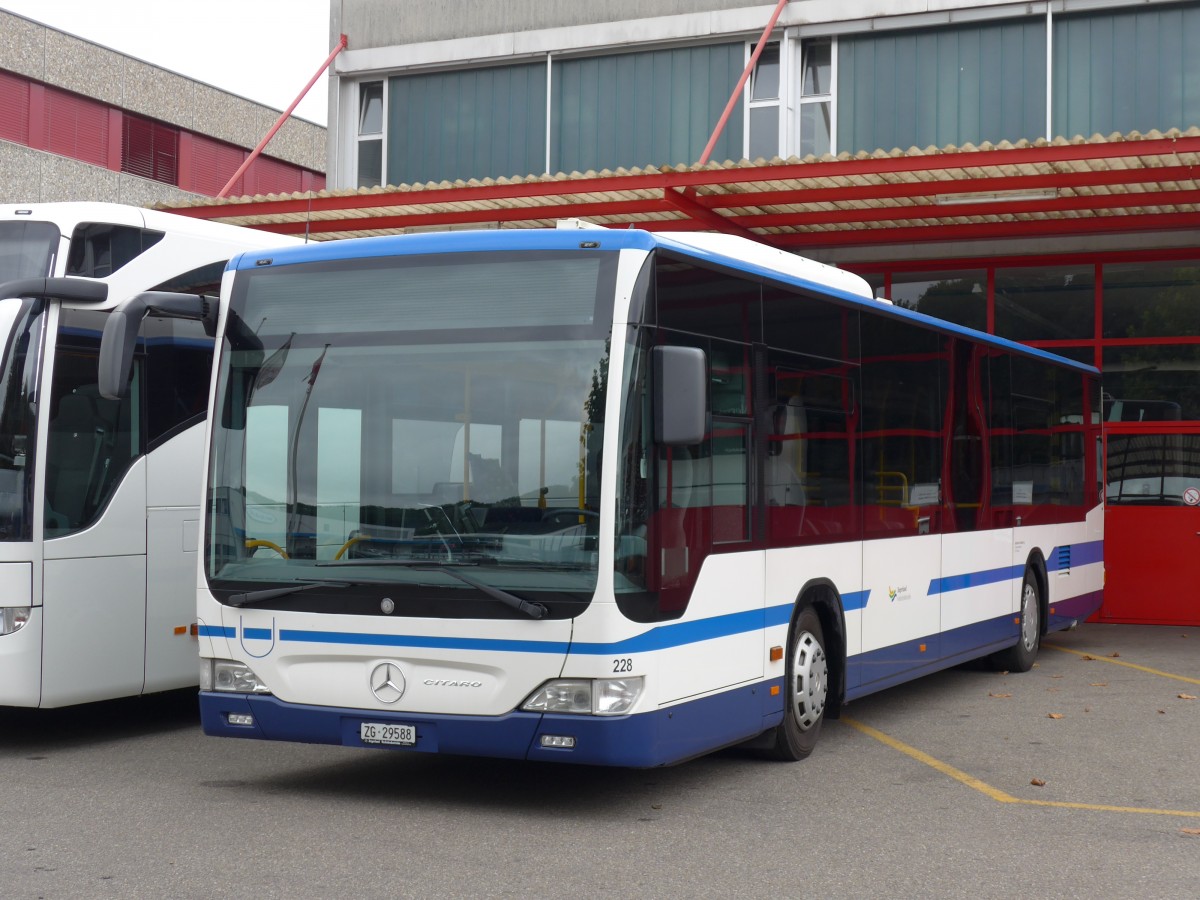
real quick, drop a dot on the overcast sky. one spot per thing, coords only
(264, 50)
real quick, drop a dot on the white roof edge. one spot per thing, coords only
(767, 257)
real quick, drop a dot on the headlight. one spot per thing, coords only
(13, 618)
(586, 696)
(227, 675)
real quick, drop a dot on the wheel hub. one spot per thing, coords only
(811, 671)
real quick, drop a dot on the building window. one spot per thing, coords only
(762, 138)
(791, 114)
(815, 114)
(370, 134)
(149, 150)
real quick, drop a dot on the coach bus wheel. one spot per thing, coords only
(807, 689)
(1020, 657)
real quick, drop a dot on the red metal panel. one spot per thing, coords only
(1152, 560)
(76, 127)
(267, 175)
(212, 164)
(14, 108)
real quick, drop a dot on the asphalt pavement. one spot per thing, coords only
(1080, 778)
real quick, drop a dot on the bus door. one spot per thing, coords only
(901, 445)
(94, 523)
(1152, 523)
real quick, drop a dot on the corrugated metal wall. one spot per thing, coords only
(637, 109)
(949, 86)
(468, 124)
(1126, 71)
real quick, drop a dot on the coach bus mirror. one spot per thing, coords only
(121, 331)
(680, 395)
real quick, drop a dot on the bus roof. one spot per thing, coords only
(727, 251)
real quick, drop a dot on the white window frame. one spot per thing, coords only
(791, 98)
(779, 102)
(359, 137)
(797, 89)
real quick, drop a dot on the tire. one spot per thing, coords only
(807, 689)
(1020, 656)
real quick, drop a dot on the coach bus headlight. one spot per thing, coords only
(227, 675)
(13, 618)
(586, 696)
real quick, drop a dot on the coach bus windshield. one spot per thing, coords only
(21, 323)
(26, 249)
(426, 424)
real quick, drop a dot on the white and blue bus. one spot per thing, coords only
(99, 500)
(614, 497)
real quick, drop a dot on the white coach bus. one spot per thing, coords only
(615, 497)
(99, 500)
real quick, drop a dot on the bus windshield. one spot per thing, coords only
(431, 423)
(21, 323)
(26, 249)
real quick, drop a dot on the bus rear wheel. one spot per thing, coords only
(807, 689)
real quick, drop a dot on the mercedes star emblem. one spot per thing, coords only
(387, 682)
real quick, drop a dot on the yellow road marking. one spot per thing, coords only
(1128, 665)
(995, 793)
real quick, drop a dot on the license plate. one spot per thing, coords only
(387, 733)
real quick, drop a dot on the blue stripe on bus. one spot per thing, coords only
(974, 579)
(661, 638)
(1080, 555)
(855, 600)
(422, 641)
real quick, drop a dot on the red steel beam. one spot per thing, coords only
(985, 231)
(973, 160)
(940, 211)
(703, 217)
(706, 216)
(988, 184)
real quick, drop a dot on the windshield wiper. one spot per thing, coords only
(249, 597)
(531, 609)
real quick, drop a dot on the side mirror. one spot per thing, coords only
(121, 331)
(680, 395)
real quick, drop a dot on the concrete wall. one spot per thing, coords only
(31, 49)
(385, 23)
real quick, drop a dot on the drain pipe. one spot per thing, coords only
(254, 154)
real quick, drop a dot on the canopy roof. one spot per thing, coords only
(1098, 185)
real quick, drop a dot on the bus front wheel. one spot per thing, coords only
(1020, 656)
(807, 689)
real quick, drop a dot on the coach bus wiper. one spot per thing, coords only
(250, 597)
(533, 610)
